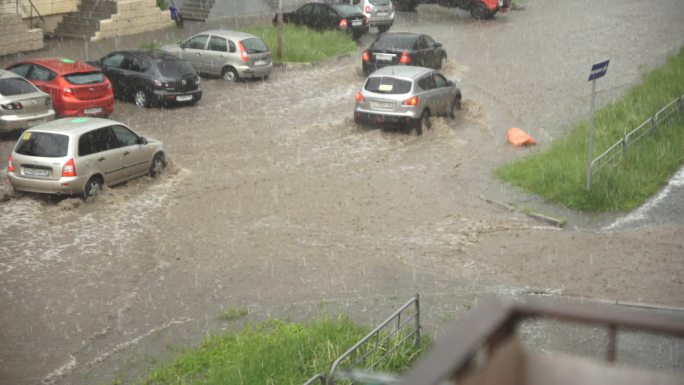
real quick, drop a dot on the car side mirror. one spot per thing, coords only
(438, 45)
(182, 45)
(142, 140)
(451, 83)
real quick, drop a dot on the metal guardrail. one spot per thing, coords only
(651, 125)
(388, 336)
(494, 323)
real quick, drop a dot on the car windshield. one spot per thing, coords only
(85, 77)
(403, 42)
(43, 144)
(380, 2)
(346, 10)
(254, 45)
(174, 68)
(15, 86)
(387, 85)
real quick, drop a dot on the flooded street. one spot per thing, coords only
(275, 201)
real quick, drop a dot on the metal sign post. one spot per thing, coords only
(598, 70)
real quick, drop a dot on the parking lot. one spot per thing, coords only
(276, 201)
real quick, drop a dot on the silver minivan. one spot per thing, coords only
(77, 156)
(380, 13)
(229, 54)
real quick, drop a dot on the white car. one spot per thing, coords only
(380, 13)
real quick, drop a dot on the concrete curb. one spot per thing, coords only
(302, 65)
(557, 222)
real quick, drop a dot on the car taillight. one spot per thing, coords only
(367, 9)
(69, 169)
(359, 97)
(405, 58)
(243, 53)
(10, 165)
(12, 106)
(365, 56)
(343, 24)
(412, 101)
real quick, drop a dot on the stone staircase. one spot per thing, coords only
(16, 36)
(100, 19)
(196, 9)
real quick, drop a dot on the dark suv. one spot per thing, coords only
(151, 77)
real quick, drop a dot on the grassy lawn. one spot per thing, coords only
(559, 173)
(272, 352)
(301, 44)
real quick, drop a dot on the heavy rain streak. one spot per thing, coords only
(275, 200)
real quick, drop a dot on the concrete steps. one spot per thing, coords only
(16, 36)
(100, 19)
(196, 9)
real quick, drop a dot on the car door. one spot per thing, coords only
(216, 54)
(111, 66)
(98, 155)
(305, 15)
(193, 49)
(42, 78)
(328, 17)
(134, 155)
(428, 93)
(433, 52)
(423, 52)
(443, 93)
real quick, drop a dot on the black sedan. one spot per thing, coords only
(320, 16)
(396, 48)
(151, 77)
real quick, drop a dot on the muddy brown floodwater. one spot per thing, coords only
(277, 202)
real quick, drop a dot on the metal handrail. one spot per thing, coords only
(375, 333)
(653, 123)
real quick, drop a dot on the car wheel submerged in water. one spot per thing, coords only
(141, 98)
(92, 188)
(423, 122)
(230, 74)
(157, 165)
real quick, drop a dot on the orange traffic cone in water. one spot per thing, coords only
(518, 137)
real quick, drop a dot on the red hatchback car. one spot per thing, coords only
(77, 88)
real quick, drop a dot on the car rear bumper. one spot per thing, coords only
(96, 107)
(254, 72)
(162, 96)
(9, 123)
(382, 118)
(62, 186)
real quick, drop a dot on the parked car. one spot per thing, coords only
(406, 96)
(394, 48)
(22, 105)
(76, 88)
(321, 16)
(229, 54)
(151, 77)
(380, 13)
(77, 156)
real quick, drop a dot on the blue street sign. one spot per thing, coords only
(598, 70)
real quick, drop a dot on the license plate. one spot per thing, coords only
(260, 63)
(90, 111)
(382, 13)
(183, 98)
(35, 171)
(381, 105)
(356, 23)
(383, 57)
